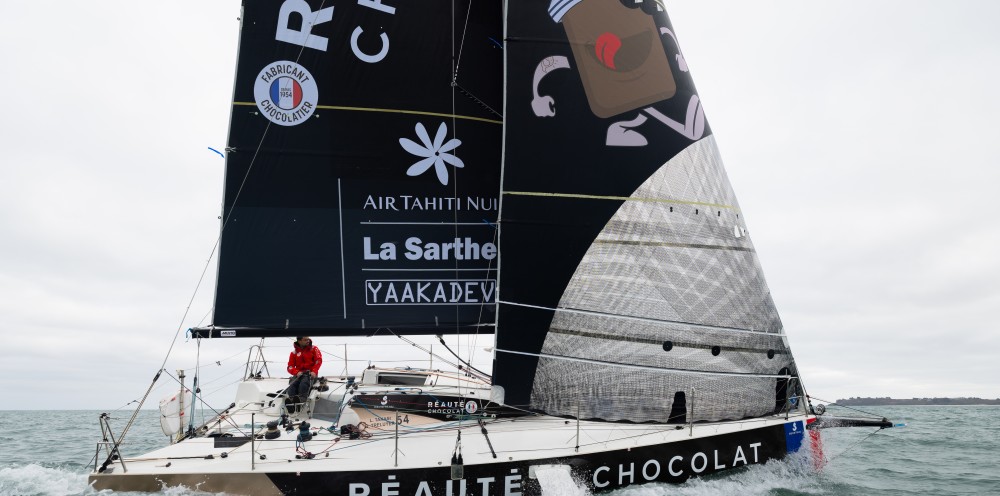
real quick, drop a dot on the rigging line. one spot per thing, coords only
(343, 273)
(648, 367)
(486, 434)
(456, 61)
(203, 319)
(197, 397)
(855, 445)
(454, 130)
(644, 319)
(476, 99)
(482, 306)
(834, 403)
(465, 28)
(618, 198)
(131, 420)
(230, 357)
(260, 145)
(220, 388)
(421, 348)
(125, 405)
(441, 339)
(173, 342)
(200, 278)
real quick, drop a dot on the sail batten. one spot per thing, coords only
(666, 244)
(644, 319)
(659, 342)
(645, 367)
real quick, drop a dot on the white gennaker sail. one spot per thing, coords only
(437, 167)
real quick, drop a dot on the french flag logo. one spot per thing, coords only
(286, 93)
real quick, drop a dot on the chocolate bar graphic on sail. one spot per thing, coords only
(618, 54)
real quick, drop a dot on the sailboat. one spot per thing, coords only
(540, 172)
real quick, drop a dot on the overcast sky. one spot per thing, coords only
(861, 138)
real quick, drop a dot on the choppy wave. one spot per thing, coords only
(775, 478)
(36, 480)
(793, 475)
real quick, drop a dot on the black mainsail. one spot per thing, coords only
(629, 288)
(362, 172)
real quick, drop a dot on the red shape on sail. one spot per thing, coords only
(607, 46)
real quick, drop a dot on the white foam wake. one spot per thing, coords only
(795, 473)
(556, 480)
(36, 480)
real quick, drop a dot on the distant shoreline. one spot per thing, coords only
(916, 401)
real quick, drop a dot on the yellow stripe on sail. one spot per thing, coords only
(618, 198)
(393, 111)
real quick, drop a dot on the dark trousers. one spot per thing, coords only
(299, 386)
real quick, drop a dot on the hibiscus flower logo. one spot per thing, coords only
(432, 152)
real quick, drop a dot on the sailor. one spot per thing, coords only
(303, 365)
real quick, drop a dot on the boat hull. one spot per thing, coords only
(510, 474)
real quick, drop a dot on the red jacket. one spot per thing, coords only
(308, 358)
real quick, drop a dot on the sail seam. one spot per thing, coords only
(643, 319)
(372, 223)
(676, 344)
(648, 367)
(671, 245)
(618, 198)
(394, 111)
(429, 270)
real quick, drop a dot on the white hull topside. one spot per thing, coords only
(415, 456)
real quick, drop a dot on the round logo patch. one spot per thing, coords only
(286, 93)
(471, 407)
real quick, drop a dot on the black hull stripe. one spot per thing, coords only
(673, 462)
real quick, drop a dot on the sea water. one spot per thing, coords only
(942, 450)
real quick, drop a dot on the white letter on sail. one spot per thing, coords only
(374, 290)
(309, 19)
(364, 57)
(377, 5)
